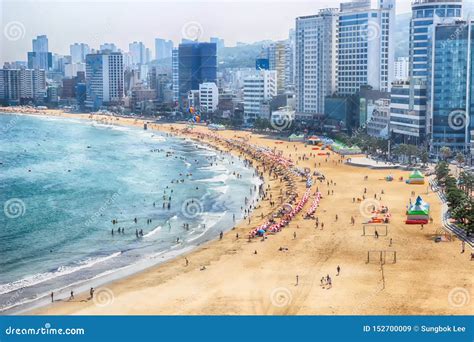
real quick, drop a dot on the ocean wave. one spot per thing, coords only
(222, 189)
(215, 179)
(60, 271)
(153, 232)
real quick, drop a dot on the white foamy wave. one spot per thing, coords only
(222, 189)
(60, 271)
(153, 232)
(216, 179)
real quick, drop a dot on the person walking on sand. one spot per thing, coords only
(297, 280)
(91, 292)
(294, 235)
(376, 234)
(71, 297)
(187, 261)
(221, 235)
(52, 297)
(338, 269)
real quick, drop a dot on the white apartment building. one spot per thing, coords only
(71, 69)
(78, 52)
(139, 53)
(258, 88)
(23, 85)
(366, 49)
(315, 59)
(175, 73)
(402, 69)
(208, 97)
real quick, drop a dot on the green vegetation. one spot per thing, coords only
(458, 194)
(365, 142)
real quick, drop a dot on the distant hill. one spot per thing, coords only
(243, 56)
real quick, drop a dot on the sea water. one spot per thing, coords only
(64, 181)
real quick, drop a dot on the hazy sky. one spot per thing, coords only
(122, 22)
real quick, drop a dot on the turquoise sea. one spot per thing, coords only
(64, 181)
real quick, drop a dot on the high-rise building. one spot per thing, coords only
(110, 47)
(197, 64)
(22, 86)
(163, 48)
(40, 57)
(450, 87)
(276, 53)
(408, 111)
(104, 79)
(71, 69)
(258, 89)
(78, 52)
(424, 14)
(10, 86)
(366, 48)
(175, 74)
(32, 85)
(138, 52)
(408, 117)
(218, 41)
(315, 75)
(402, 68)
(208, 97)
(290, 61)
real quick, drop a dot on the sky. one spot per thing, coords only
(124, 21)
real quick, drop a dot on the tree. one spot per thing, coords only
(445, 152)
(441, 171)
(261, 123)
(460, 158)
(466, 183)
(423, 155)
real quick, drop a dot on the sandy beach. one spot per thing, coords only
(427, 278)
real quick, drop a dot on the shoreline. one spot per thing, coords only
(113, 275)
(427, 279)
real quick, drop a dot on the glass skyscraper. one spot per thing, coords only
(424, 14)
(408, 117)
(450, 85)
(197, 64)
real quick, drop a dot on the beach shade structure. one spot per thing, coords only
(216, 127)
(296, 137)
(418, 212)
(315, 140)
(416, 177)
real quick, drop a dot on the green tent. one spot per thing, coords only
(416, 175)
